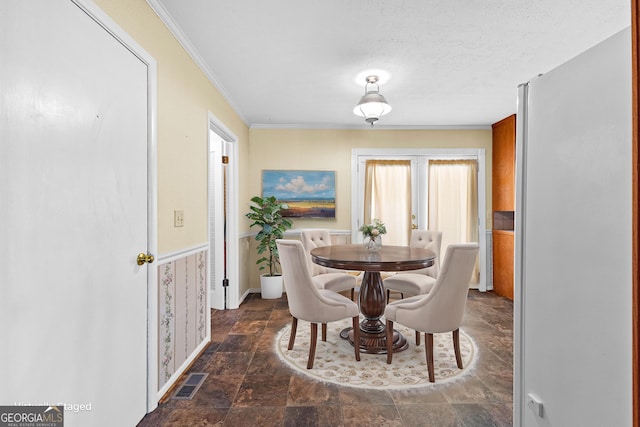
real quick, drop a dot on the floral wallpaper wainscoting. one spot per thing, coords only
(183, 314)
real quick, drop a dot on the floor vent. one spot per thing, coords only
(191, 385)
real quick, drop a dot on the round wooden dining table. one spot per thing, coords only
(371, 298)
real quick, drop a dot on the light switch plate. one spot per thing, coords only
(178, 218)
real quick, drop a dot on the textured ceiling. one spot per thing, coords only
(451, 63)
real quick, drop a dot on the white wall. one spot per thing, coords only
(573, 242)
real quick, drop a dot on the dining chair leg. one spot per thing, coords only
(355, 321)
(417, 338)
(388, 295)
(456, 347)
(312, 346)
(428, 345)
(292, 336)
(389, 341)
(353, 292)
(324, 332)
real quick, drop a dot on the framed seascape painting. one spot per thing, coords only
(309, 194)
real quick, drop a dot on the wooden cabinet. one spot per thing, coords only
(504, 161)
(503, 251)
(503, 200)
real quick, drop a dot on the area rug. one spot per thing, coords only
(335, 361)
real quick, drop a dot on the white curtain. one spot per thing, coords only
(453, 203)
(387, 197)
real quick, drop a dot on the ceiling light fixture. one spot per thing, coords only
(372, 105)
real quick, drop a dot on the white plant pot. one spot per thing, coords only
(271, 286)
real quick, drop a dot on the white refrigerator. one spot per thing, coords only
(573, 264)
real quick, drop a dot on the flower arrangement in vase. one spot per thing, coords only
(373, 235)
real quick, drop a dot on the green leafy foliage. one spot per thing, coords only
(373, 230)
(266, 213)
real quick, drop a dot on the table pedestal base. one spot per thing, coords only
(373, 332)
(376, 342)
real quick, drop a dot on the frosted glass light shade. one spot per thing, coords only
(372, 106)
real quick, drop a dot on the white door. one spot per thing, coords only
(389, 191)
(217, 222)
(73, 159)
(223, 208)
(421, 197)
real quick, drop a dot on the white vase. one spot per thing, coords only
(270, 286)
(373, 243)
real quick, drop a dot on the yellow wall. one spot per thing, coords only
(324, 149)
(185, 96)
(331, 150)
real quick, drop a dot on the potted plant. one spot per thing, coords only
(266, 213)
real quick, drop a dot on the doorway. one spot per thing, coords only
(425, 190)
(222, 185)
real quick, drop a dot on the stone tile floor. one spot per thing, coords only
(248, 385)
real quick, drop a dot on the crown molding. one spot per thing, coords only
(369, 128)
(177, 32)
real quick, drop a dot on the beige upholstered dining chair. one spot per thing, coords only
(325, 277)
(442, 309)
(307, 302)
(417, 282)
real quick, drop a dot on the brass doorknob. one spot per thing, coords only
(142, 258)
